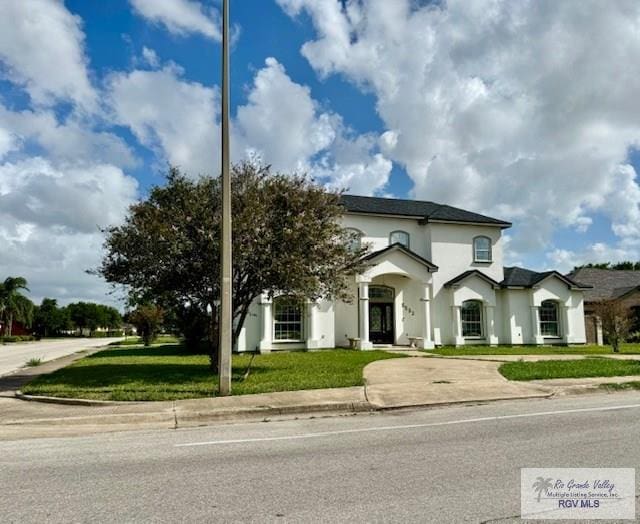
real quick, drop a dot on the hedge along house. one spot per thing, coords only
(434, 276)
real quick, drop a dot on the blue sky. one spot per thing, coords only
(523, 111)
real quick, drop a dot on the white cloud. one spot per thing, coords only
(172, 115)
(181, 17)
(281, 123)
(41, 47)
(525, 110)
(49, 224)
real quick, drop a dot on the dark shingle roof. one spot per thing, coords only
(607, 283)
(520, 277)
(427, 211)
(396, 246)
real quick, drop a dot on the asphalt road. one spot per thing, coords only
(14, 356)
(455, 464)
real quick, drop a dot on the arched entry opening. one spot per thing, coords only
(381, 315)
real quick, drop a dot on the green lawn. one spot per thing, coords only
(532, 350)
(589, 367)
(168, 373)
(137, 341)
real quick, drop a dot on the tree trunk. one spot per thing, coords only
(212, 341)
(9, 324)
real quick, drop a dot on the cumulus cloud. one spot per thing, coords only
(181, 17)
(280, 123)
(50, 217)
(526, 110)
(41, 49)
(172, 115)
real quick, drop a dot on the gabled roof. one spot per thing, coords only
(431, 267)
(421, 210)
(606, 283)
(520, 277)
(470, 273)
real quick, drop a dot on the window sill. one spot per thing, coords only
(475, 338)
(289, 341)
(485, 262)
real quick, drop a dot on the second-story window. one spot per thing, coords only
(354, 240)
(399, 237)
(482, 249)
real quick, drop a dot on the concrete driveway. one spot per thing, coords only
(14, 356)
(417, 381)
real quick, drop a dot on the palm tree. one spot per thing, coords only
(14, 305)
(542, 484)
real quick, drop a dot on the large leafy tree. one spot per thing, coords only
(49, 319)
(287, 238)
(14, 306)
(91, 316)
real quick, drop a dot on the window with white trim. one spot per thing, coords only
(471, 317)
(399, 237)
(354, 241)
(482, 249)
(549, 319)
(288, 320)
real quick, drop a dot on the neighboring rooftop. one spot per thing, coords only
(423, 210)
(607, 283)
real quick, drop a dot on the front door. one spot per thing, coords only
(381, 323)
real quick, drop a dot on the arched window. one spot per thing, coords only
(482, 249)
(399, 237)
(288, 320)
(549, 323)
(471, 316)
(354, 241)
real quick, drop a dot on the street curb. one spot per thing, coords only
(69, 401)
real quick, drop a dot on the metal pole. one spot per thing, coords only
(225, 328)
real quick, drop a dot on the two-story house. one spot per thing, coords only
(434, 276)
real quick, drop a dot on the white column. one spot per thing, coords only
(535, 325)
(427, 341)
(313, 338)
(492, 338)
(363, 328)
(457, 326)
(599, 337)
(266, 342)
(566, 332)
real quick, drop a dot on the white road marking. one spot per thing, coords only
(406, 426)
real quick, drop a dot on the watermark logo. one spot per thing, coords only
(578, 493)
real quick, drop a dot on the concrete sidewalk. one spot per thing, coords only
(533, 358)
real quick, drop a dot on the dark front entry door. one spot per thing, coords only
(381, 323)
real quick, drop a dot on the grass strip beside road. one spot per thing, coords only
(532, 350)
(585, 368)
(167, 372)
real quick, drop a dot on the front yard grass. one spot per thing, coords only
(588, 367)
(167, 372)
(532, 350)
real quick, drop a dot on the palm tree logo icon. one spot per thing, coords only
(541, 484)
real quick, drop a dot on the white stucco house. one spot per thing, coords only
(434, 276)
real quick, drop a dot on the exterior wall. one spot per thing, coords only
(376, 231)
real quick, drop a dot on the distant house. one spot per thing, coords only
(607, 284)
(17, 329)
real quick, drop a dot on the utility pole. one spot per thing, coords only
(225, 326)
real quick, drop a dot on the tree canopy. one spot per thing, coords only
(287, 239)
(626, 265)
(14, 306)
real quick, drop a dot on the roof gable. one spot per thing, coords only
(376, 255)
(521, 277)
(418, 209)
(472, 273)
